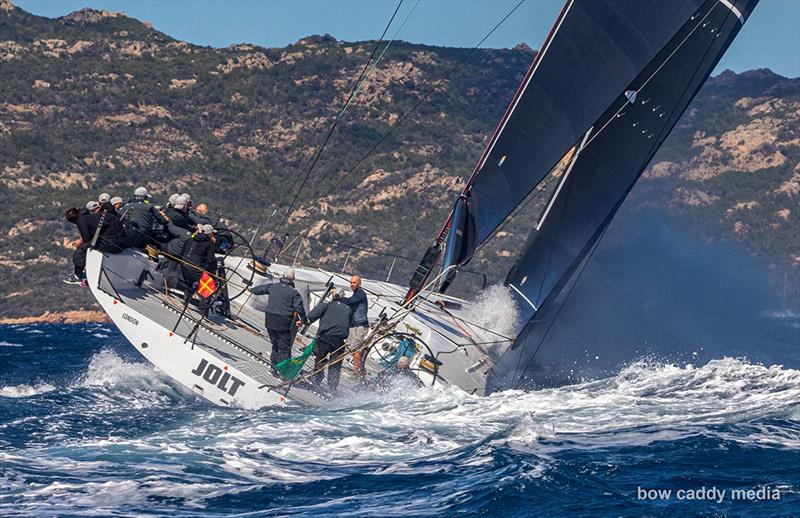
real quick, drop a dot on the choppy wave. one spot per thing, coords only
(25, 390)
(120, 438)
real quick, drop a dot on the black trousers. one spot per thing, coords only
(79, 255)
(281, 344)
(326, 350)
(79, 258)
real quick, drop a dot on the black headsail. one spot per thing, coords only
(594, 51)
(612, 154)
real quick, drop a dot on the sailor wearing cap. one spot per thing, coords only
(105, 203)
(198, 255)
(97, 228)
(284, 311)
(141, 217)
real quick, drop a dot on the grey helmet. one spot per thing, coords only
(206, 229)
(181, 202)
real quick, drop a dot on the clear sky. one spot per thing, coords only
(771, 37)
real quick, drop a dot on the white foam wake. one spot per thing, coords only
(109, 369)
(25, 390)
(495, 309)
(390, 433)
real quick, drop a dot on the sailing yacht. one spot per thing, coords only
(609, 83)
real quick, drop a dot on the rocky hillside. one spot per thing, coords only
(97, 101)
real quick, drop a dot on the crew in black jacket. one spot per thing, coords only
(284, 313)
(198, 251)
(111, 238)
(334, 326)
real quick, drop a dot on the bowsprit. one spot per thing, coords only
(217, 376)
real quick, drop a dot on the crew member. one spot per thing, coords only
(334, 326)
(179, 227)
(140, 216)
(110, 238)
(198, 254)
(188, 201)
(178, 214)
(105, 203)
(200, 215)
(284, 311)
(117, 203)
(359, 321)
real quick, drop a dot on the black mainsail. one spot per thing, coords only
(607, 87)
(614, 152)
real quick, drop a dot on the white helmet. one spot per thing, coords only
(141, 191)
(92, 205)
(180, 202)
(206, 229)
(116, 199)
(288, 274)
(104, 197)
(172, 199)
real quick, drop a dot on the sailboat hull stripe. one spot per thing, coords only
(733, 9)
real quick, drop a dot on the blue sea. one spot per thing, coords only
(88, 427)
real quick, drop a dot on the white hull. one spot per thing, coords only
(227, 365)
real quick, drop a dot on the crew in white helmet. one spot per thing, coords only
(172, 198)
(140, 216)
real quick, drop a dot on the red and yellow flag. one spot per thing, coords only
(207, 286)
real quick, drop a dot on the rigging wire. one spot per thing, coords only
(356, 88)
(406, 115)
